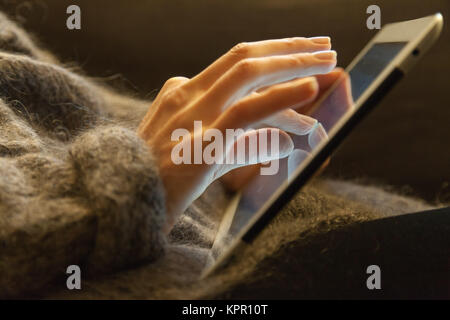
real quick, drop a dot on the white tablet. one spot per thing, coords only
(374, 71)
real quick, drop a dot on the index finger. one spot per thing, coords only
(255, 73)
(259, 49)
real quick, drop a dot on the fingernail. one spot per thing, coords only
(304, 124)
(321, 40)
(317, 136)
(286, 146)
(326, 55)
(308, 121)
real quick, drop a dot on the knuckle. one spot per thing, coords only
(292, 61)
(174, 98)
(301, 59)
(178, 79)
(241, 50)
(290, 43)
(168, 83)
(174, 81)
(246, 68)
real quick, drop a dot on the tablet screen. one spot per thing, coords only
(328, 112)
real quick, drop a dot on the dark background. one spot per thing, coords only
(136, 45)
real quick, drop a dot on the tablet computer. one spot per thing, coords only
(368, 78)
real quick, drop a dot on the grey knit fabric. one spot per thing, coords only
(77, 186)
(316, 211)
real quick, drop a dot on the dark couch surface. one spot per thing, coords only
(409, 271)
(136, 46)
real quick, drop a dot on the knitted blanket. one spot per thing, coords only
(79, 187)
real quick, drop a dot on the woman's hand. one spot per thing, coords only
(331, 110)
(250, 83)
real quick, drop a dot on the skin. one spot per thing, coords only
(342, 99)
(254, 85)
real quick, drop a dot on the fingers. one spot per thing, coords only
(257, 146)
(258, 106)
(325, 82)
(331, 106)
(170, 84)
(237, 178)
(251, 74)
(174, 82)
(296, 157)
(317, 135)
(291, 121)
(259, 49)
